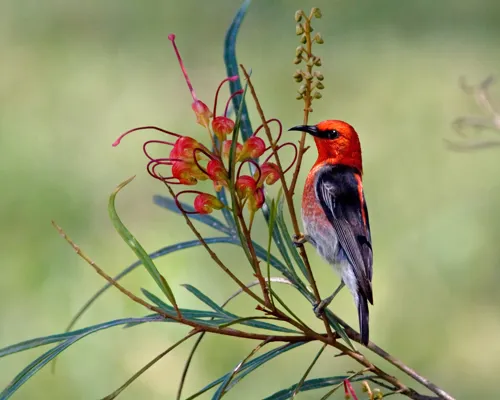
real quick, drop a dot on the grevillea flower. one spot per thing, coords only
(222, 126)
(226, 149)
(217, 173)
(187, 173)
(269, 174)
(254, 147)
(185, 149)
(205, 203)
(189, 161)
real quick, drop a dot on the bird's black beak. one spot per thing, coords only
(311, 129)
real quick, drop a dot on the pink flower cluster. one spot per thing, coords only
(189, 161)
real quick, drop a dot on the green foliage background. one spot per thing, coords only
(74, 75)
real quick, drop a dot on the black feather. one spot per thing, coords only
(364, 316)
(344, 204)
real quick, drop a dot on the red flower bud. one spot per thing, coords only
(217, 173)
(245, 186)
(269, 173)
(222, 126)
(254, 147)
(205, 203)
(203, 114)
(257, 200)
(184, 149)
(226, 148)
(187, 173)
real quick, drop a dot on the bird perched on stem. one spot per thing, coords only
(335, 215)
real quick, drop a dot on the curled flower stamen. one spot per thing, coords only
(203, 114)
(146, 144)
(296, 152)
(140, 128)
(268, 122)
(171, 37)
(196, 160)
(238, 92)
(151, 168)
(255, 164)
(230, 79)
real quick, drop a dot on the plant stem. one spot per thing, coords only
(289, 199)
(182, 320)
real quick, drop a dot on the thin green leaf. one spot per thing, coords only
(261, 253)
(204, 298)
(228, 215)
(44, 340)
(136, 246)
(147, 366)
(232, 67)
(278, 240)
(186, 312)
(171, 205)
(271, 226)
(225, 384)
(311, 384)
(338, 328)
(234, 143)
(308, 370)
(232, 317)
(249, 367)
(288, 241)
(200, 338)
(46, 357)
(350, 378)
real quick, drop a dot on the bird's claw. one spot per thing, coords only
(319, 308)
(299, 240)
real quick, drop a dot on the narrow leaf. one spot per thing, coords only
(171, 205)
(136, 246)
(231, 317)
(308, 370)
(147, 366)
(46, 357)
(261, 253)
(44, 340)
(249, 367)
(311, 384)
(232, 68)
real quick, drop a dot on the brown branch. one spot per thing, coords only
(213, 255)
(288, 197)
(309, 336)
(182, 320)
(353, 335)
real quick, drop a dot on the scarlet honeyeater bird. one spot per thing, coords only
(335, 215)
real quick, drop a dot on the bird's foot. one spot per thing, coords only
(299, 240)
(319, 308)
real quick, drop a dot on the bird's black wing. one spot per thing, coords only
(340, 193)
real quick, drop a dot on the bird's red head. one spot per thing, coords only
(337, 143)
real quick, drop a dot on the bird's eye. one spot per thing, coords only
(333, 134)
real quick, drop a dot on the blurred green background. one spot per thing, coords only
(74, 75)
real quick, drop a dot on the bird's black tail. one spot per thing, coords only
(363, 315)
